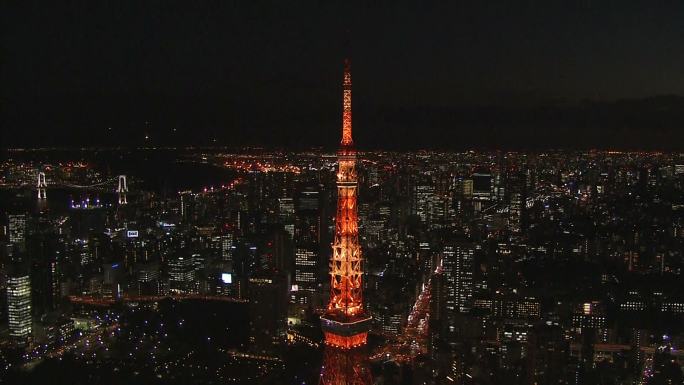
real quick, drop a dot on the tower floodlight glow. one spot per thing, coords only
(345, 323)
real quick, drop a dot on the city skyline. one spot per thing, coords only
(183, 199)
(553, 266)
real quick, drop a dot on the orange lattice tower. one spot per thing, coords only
(345, 323)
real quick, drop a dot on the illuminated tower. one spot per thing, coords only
(345, 323)
(42, 186)
(122, 189)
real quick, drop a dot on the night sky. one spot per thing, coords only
(508, 74)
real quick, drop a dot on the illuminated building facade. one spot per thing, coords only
(19, 307)
(345, 323)
(458, 272)
(182, 275)
(17, 230)
(307, 231)
(148, 279)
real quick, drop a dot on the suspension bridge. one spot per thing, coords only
(116, 184)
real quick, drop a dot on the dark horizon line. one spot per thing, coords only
(652, 123)
(331, 149)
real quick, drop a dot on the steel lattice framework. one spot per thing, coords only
(345, 323)
(345, 264)
(346, 294)
(345, 367)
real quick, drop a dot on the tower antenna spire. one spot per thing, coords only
(347, 139)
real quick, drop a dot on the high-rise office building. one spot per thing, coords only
(482, 185)
(307, 230)
(516, 211)
(286, 212)
(422, 200)
(306, 279)
(188, 207)
(112, 275)
(517, 201)
(148, 279)
(268, 311)
(457, 268)
(182, 275)
(223, 246)
(17, 229)
(45, 251)
(19, 307)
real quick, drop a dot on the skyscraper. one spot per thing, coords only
(17, 229)
(182, 275)
(307, 230)
(422, 200)
(286, 210)
(44, 249)
(148, 279)
(518, 200)
(19, 307)
(458, 275)
(268, 311)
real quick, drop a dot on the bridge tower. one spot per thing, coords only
(345, 323)
(42, 186)
(122, 189)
